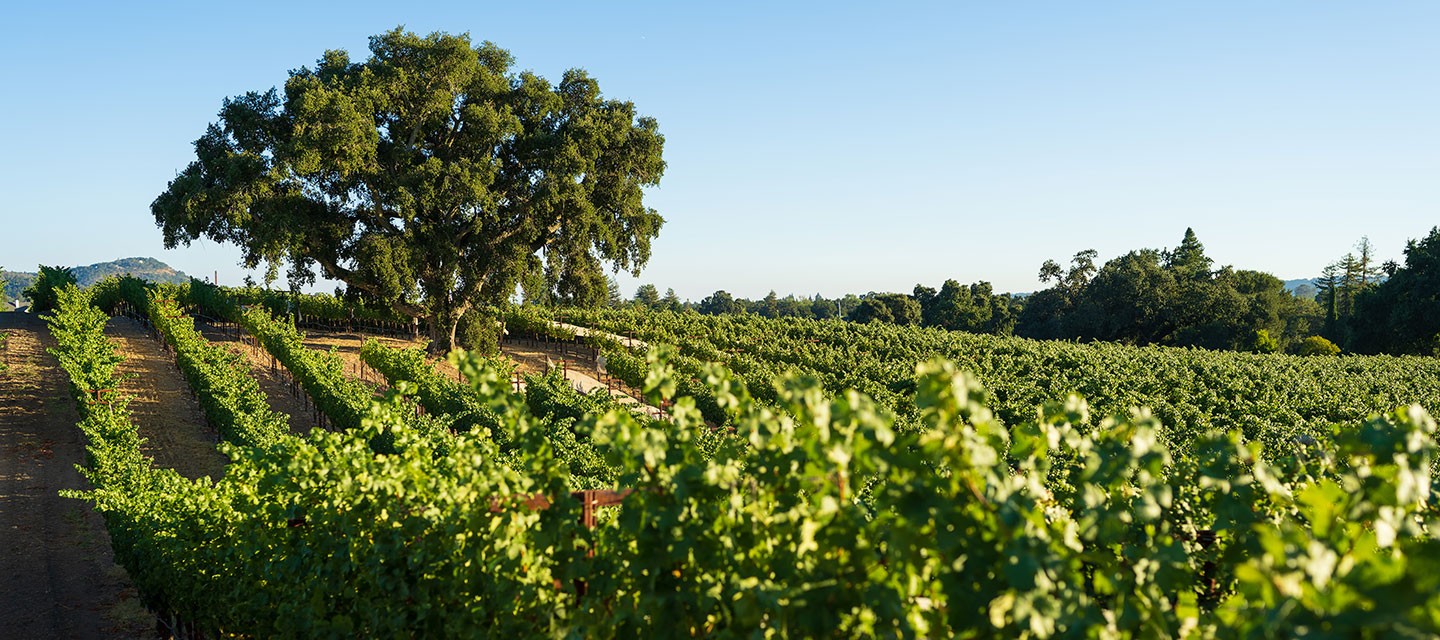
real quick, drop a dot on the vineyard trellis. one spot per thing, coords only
(821, 515)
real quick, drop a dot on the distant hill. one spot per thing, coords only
(1292, 285)
(143, 268)
(1302, 288)
(15, 282)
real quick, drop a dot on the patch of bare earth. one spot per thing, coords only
(530, 357)
(58, 577)
(347, 346)
(579, 364)
(539, 357)
(167, 414)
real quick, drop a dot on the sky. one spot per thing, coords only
(824, 147)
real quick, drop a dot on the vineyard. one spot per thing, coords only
(999, 386)
(807, 479)
(1281, 402)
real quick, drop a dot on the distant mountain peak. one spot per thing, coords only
(1301, 286)
(141, 267)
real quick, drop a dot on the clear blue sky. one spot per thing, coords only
(813, 148)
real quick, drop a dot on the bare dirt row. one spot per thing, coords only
(165, 411)
(283, 395)
(58, 577)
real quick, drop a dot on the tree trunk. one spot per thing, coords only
(442, 335)
(443, 323)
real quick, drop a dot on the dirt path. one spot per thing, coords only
(282, 396)
(58, 577)
(347, 346)
(586, 331)
(529, 357)
(539, 357)
(168, 416)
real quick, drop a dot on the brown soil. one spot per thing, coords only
(347, 346)
(283, 396)
(168, 416)
(58, 577)
(529, 358)
(533, 357)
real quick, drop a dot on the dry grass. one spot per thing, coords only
(167, 415)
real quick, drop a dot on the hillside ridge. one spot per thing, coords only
(145, 268)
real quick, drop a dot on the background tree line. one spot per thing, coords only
(1174, 297)
(1392, 308)
(1168, 296)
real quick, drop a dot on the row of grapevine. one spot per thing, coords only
(90, 361)
(343, 399)
(310, 537)
(220, 377)
(1042, 529)
(536, 321)
(226, 303)
(1274, 399)
(439, 394)
(550, 399)
(624, 363)
(149, 511)
(828, 522)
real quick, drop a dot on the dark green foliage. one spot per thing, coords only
(1164, 297)
(1188, 261)
(210, 300)
(956, 307)
(1402, 314)
(430, 177)
(1128, 301)
(339, 312)
(648, 295)
(42, 292)
(671, 301)
(479, 331)
(719, 303)
(894, 308)
(16, 282)
(872, 310)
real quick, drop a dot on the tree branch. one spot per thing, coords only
(337, 272)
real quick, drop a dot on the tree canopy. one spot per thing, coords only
(43, 291)
(719, 303)
(430, 177)
(1174, 297)
(1401, 314)
(895, 308)
(647, 295)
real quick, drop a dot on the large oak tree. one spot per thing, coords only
(430, 177)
